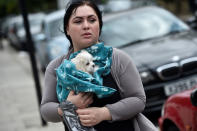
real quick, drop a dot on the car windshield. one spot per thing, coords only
(56, 28)
(33, 22)
(140, 25)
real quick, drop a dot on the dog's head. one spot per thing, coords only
(84, 62)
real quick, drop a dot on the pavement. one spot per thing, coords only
(19, 109)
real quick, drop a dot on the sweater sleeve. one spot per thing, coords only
(130, 87)
(49, 103)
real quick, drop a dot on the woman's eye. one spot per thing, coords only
(92, 20)
(77, 22)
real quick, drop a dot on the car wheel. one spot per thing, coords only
(172, 128)
(43, 69)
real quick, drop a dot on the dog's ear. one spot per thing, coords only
(74, 61)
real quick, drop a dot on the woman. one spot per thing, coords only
(120, 111)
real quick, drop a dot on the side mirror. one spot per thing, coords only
(194, 97)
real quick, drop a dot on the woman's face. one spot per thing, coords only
(83, 27)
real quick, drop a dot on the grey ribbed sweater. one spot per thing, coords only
(124, 73)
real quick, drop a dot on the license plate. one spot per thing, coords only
(180, 86)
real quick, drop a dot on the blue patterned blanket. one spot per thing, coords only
(69, 78)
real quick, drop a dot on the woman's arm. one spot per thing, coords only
(50, 110)
(49, 103)
(130, 86)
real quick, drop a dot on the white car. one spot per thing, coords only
(52, 42)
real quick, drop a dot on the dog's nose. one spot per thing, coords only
(93, 65)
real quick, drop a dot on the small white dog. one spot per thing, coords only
(84, 62)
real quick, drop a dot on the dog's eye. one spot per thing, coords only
(87, 63)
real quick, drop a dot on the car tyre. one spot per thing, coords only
(172, 128)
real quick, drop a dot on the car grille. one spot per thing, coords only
(189, 65)
(176, 69)
(169, 71)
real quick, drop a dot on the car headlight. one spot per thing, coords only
(146, 77)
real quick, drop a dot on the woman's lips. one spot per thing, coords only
(86, 35)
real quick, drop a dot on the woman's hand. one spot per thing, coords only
(60, 112)
(81, 100)
(93, 115)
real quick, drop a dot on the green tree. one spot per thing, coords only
(8, 7)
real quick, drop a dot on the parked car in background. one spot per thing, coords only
(5, 25)
(16, 29)
(51, 42)
(12, 23)
(162, 46)
(35, 21)
(179, 112)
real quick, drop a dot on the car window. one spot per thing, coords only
(139, 26)
(35, 22)
(56, 28)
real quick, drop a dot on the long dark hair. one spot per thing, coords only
(72, 6)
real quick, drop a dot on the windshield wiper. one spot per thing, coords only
(175, 32)
(142, 40)
(134, 42)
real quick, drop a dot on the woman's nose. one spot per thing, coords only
(86, 25)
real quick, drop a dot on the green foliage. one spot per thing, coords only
(178, 7)
(104, 1)
(101, 1)
(168, 1)
(8, 7)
